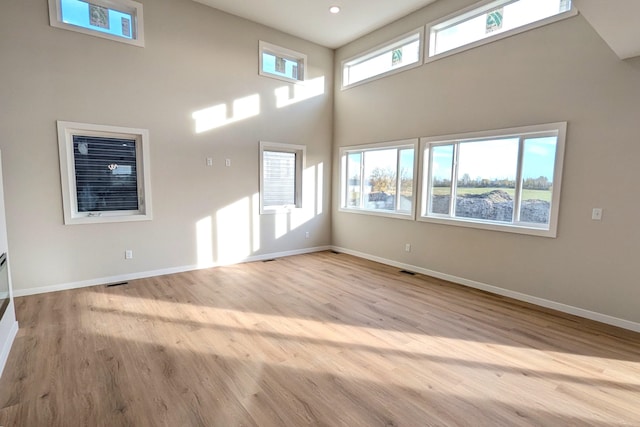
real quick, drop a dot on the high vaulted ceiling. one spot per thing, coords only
(617, 21)
(311, 20)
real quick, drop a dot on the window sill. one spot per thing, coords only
(106, 218)
(493, 226)
(382, 213)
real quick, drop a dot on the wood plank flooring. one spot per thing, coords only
(312, 340)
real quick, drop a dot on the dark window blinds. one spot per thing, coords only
(105, 172)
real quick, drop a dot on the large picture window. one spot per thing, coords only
(379, 178)
(105, 173)
(506, 179)
(118, 20)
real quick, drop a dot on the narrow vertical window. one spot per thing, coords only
(281, 176)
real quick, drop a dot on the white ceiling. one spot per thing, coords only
(617, 21)
(311, 20)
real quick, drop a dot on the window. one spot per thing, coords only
(379, 178)
(281, 63)
(401, 54)
(119, 20)
(492, 21)
(281, 168)
(505, 180)
(105, 173)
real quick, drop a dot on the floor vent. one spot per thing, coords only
(410, 273)
(269, 260)
(334, 252)
(110, 285)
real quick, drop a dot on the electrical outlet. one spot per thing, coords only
(306, 235)
(407, 247)
(227, 162)
(209, 161)
(596, 214)
(128, 254)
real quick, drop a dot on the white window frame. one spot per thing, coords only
(525, 132)
(300, 58)
(380, 49)
(129, 6)
(66, 131)
(399, 145)
(301, 157)
(475, 10)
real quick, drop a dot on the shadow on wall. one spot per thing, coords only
(236, 227)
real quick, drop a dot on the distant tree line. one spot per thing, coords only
(540, 183)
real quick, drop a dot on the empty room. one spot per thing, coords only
(327, 213)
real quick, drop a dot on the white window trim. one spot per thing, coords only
(398, 144)
(388, 45)
(55, 20)
(66, 130)
(301, 159)
(282, 52)
(476, 9)
(521, 228)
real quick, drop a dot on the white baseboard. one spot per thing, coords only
(161, 272)
(576, 311)
(9, 330)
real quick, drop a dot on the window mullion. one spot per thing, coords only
(398, 180)
(454, 180)
(361, 180)
(518, 190)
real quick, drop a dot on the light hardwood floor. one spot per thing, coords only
(321, 339)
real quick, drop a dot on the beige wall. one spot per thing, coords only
(560, 72)
(195, 57)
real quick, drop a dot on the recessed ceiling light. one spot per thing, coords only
(334, 9)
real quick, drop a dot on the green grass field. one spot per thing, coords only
(544, 195)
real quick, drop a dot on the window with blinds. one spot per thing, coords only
(280, 176)
(105, 173)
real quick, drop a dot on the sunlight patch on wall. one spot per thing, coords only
(217, 116)
(234, 232)
(307, 212)
(281, 223)
(204, 242)
(288, 95)
(319, 187)
(255, 215)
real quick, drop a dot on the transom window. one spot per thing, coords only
(105, 173)
(282, 63)
(379, 178)
(491, 21)
(119, 20)
(401, 54)
(505, 180)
